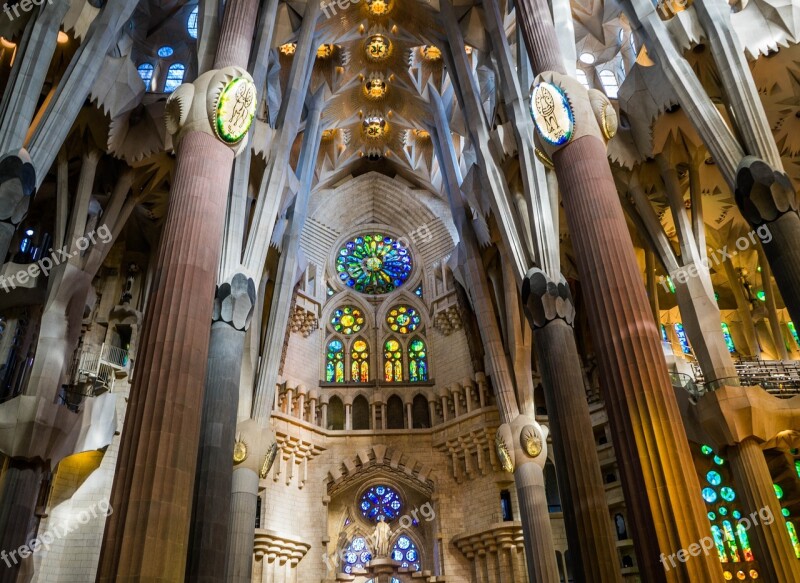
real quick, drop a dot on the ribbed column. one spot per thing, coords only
(648, 432)
(236, 34)
(550, 312)
(242, 526)
(770, 542)
(147, 536)
(212, 502)
(19, 491)
(529, 480)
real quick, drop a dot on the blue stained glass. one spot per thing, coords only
(727, 494)
(709, 495)
(381, 502)
(726, 334)
(405, 552)
(356, 555)
(714, 478)
(191, 24)
(373, 264)
(664, 336)
(165, 51)
(174, 77)
(682, 338)
(146, 73)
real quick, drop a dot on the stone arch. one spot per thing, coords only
(400, 466)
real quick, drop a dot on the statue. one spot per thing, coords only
(381, 538)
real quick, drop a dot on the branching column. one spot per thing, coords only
(551, 313)
(147, 535)
(648, 433)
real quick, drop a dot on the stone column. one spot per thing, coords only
(768, 201)
(743, 307)
(324, 405)
(19, 492)
(549, 308)
(147, 536)
(772, 310)
(348, 416)
(648, 433)
(770, 542)
(409, 418)
(233, 308)
(242, 527)
(529, 479)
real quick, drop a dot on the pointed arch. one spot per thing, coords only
(392, 360)
(334, 360)
(395, 415)
(420, 412)
(335, 414)
(417, 360)
(361, 413)
(359, 360)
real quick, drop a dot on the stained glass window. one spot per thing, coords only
(334, 365)
(418, 293)
(719, 542)
(359, 361)
(381, 502)
(709, 495)
(726, 334)
(347, 320)
(731, 540)
(373, 264)
(146, 73)
(392, 361)
(714, 478)
(744, 542)
(417, 361)
(727, 494)
(165, 51)
(191, 25)
(174, 77)
(664, 337)
(405, 552)
(357, 555)
(797, 467)
(682, 338)
(793, 537)
(793, 331)
(403, 319)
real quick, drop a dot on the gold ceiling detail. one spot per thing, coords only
(375, 87)
(430, 53)
(374, 127)
(378, 48)
(328, 135)
(421, 134)
(324, 51)
(379, 7)
(288, 48)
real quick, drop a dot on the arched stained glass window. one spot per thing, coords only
(174, 77)
(403, 319)
(405, 551)
(392, 361)
(610, 83)
(356, 555)
(417, 361)
(146, 73)
(726, 334)
(359, 361)
(373, 264)
(334, 363)
(191, 24)
(381, 503)
(347, 320)
(682, 338)
(793, 332)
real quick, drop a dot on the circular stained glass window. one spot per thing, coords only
(714, 478)
(737, 515)
(709, 495)
(785, 512)
(712, 516)
(778, 491)
(718, 460)
(347, 320)
(405, 552)
(706, 450)
(723, 511)
(356, 555)
(373, 264)
(727, 494)
(381, 502)
(403, 319)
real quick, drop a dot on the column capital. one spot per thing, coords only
(545, 300)
(520, 442)
(762, 193)
(220, 102)
(235, 301)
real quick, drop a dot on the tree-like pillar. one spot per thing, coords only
(147, 536)
(550, 311)
(768, 201)
(648, 432)
(19, 486)
(233, 308)
(768, 535)
(242, 526)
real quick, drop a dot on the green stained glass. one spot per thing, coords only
(727, 494)
(785, 512)
(347, 320)
(726, 334)
(403, 319)
(744, 542)
(719, 542)
(417, 361)
(392, 361)
(731, 541)
(722, 510)
(778, 491)
(793, 331)
(709, 495)
(714, 478)
(334, 365)
(793, 537)
(712, 516)
(797, 467)
(373, 264)
(706, 450)
(737, 515)
(718, 460)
